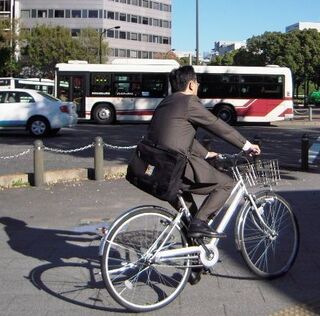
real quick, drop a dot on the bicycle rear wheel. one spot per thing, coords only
(130, 275)
(268, 255)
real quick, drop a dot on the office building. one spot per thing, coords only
(143, 26)
(302, 26)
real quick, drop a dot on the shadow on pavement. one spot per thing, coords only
(72, 269)
(72, 265)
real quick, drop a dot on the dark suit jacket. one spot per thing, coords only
(174, 125)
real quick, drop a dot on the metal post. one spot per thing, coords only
(197, 32)
(98, 159)
(38, 164)
(310, 113)
(305, 152)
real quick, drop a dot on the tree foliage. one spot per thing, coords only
(45, 46)
(298, 50)
(8, 64)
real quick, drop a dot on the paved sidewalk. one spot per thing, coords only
(49, 262)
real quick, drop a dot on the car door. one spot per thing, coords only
(15, 108)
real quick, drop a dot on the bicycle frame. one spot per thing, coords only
(237, 194)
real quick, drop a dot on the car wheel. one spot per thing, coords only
(226, 113)
(39, 126)
(104, 114)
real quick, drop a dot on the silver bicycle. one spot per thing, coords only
(147, 257)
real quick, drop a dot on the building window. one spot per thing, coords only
(155, 39)
(144, 55)
(123, 1)
(144, 37)
(84, 13)
(75, 32)
(122, 35)
(33, 13)
(165, 40)
(50, 13)
(135, 2)
(145, 20)
(156, 5)
(145, 3)
(122, 53)
(76, 13)
(134, 19)
(134, 36)
(25, 14)
(59, 13)
(123, 17)
(93, 14)
(133, 54)
(165, 23)
(155, 22)
(42, 13)
(110, 33)
(165, 7)
(67, 13)
(111, 15)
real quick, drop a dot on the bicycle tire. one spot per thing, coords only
(268, 256)
(130, 278)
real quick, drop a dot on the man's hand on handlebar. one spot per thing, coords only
(254, 150)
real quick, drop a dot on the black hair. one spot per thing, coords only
(180, 77)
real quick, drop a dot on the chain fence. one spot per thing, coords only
(65, 151)
(39, 174)
(13, 156)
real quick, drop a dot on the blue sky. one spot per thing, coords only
(235, 20)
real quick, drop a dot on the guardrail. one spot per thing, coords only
(38, 157)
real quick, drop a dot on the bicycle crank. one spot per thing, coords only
(209, 259)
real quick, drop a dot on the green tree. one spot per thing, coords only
(45, 46)
(8, 65)
(89, 41)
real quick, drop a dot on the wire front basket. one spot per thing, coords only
(260, 172)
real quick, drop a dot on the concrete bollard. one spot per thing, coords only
(310, 113)
(38, 163)
(305, 152)
(98, 159)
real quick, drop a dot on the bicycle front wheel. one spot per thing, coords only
(131, 277)
(269, 253)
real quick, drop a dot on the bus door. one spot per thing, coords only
(73, 88)
(78, 94)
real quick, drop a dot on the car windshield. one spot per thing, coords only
(47, 96)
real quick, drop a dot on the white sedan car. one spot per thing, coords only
(38, 112)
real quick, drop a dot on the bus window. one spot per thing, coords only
(154, 85)
(218, 86)
(64, 88)
(100, 84)
(127, 85)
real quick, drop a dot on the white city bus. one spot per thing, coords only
(131, 90)
(44, 85)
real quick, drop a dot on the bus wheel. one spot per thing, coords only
(104, 114)
(226, 113)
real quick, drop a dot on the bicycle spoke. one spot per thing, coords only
(141, 284)
(269, 253)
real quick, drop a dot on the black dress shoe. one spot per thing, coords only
(195, 276)
(199, 228)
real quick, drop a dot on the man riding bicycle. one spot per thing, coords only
(174, 125)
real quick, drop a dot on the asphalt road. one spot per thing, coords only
(277, 139)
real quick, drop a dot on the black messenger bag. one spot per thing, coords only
(156, 170)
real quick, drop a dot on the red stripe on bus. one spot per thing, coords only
(136, 112)
(286, 112)
(258, 107)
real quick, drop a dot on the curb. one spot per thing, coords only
(61, 175)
